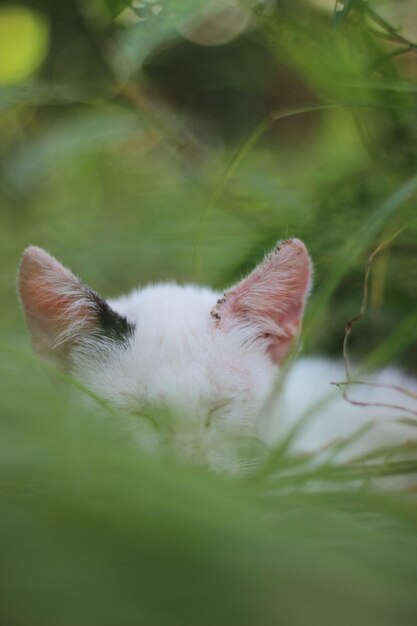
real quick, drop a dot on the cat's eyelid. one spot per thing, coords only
(218, 406)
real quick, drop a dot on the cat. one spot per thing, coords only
(209, 362)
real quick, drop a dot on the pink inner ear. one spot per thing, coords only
(271, 299)
(53, 298)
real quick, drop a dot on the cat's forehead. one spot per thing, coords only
(175, 349)
(167, 305)
(177, 355)
(172, 327)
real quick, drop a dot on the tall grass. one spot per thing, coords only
(129, 173)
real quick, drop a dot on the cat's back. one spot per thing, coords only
(311, 400)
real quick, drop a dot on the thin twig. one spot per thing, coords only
(348, 330)
(364, 303)
(396, 407)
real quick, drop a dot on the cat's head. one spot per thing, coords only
(208, 359)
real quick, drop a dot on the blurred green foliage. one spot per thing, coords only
(154, 141)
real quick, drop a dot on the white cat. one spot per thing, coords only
(211, 360)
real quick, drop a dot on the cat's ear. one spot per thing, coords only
(269, 303)
(61, 311)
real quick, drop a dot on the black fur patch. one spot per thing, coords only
(112, 324)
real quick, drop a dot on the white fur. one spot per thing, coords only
(205, 367)
(217, 384)
(310, 398)
(213, 382)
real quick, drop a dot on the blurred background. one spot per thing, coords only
(156, 140)
(153, 141)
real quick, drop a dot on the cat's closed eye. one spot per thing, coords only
(217, 412)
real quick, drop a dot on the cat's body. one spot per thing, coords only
(310, 397)
(208, 362)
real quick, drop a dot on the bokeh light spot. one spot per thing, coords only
(23, 42)
(218, 23)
